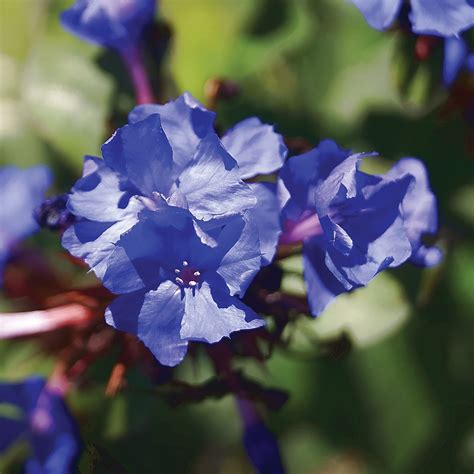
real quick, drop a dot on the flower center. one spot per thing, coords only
(297, 231)
(187, 276)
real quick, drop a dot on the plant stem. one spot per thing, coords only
(141, 84)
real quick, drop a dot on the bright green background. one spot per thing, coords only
(401, 400)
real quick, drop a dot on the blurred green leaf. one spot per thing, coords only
(403, 417)
(418, 82)
(67, 97)
(97, 460)
(211, 39)
(21, 359)
(461, 204)
(461, 279)
(367, 315)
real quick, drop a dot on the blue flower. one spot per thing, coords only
(185, 289)
(21, 190)
(41, 417)
(171, 153)
(439, 18)
(256, 147)
(166, 221)
(112, 23)
(456, 57)
(352, 225)
(419, 210)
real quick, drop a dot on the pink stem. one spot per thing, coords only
(33, 322)
(136, 69)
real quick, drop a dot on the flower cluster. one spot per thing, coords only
(166, 221)
(353, 225)
(24, 190)
(40, 416)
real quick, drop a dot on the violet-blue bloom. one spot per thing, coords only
(352, 225)
(456, 57)
(44, 421)
(112, 23)
(255, 146)
(21, 190)
(185, 290)
(439, 18)
(167, 153)
(419, 210)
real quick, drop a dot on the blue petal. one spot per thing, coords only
(100, 196)
(470, 63)
(55, 446)
(379, 14)
(211, 183)
(256, 147)
(266, 215)
(441, 17)
(302, 173)
(455, 53)
(55, 441)
(11, 431)
(160, 241)
(95, 242)
(146, 153)
(419, 210)
(322, 285)
(155, 317)
(112, 23)
(211, 314)
(239, 244)
(21, 191)
(363, 229)
(185, 122)
(23, 394)
(373, 235)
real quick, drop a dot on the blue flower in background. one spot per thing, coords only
(41, 417)
(170, 153)
(21, 190)
(419, 210)
(431, 17)
(456, 57)
(352, 225)
(184, 290)
(112, 23)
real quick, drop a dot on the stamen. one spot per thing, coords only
(197, 274)
(177, 271)
(185, 263)
(192, 283)
(179, 281)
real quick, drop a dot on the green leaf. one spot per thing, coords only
(418, 82)
(211, 39)
(403, 417)
(366, 315)
(67, 99)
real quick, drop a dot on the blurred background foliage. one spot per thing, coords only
(383, 381)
